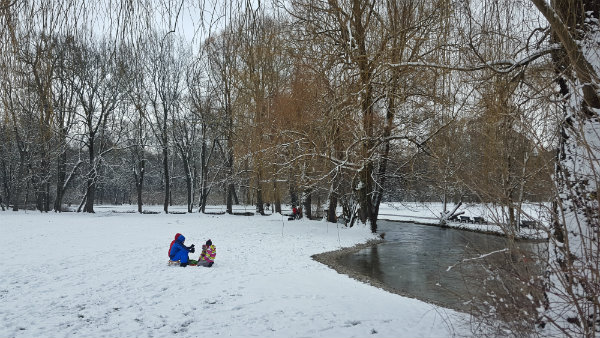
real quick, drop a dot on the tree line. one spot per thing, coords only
(338, 103)
(314, 104)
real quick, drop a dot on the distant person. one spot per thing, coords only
(295, 212)
(207, 257)
(178, 252)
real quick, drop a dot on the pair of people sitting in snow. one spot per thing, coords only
(179, 253)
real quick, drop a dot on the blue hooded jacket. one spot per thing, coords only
(178, 251)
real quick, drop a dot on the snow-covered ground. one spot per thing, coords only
(428, 213)
(106, 275)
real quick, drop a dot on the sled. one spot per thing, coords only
(191, 262)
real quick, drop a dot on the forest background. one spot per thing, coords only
(313, 103)
(298, 103)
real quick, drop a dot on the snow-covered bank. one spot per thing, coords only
(428, 213)
(105, 275)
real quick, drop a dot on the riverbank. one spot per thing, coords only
(494, 218)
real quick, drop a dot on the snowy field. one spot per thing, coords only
(106, 275)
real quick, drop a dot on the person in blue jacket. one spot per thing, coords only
(179, 252)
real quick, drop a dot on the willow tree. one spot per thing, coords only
(261, 75)
(368, 40)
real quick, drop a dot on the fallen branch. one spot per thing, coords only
(474, 258)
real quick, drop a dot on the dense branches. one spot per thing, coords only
(332, 105)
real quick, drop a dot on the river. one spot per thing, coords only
(438, 265)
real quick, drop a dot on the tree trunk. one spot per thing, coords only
(5, 184)
(91, 178)
(189, 187)
(276, 196)
(82, 203)
(20, 185)
(167, 179)
(47, 196)
(331, 206)
(259, 195)
(189, 181)
(61, 174)
(293, 192)
(584, 71)
(90, 193)
(58, 201)
(307, 204)
(230, 195)
(139, 188)
(335, 180)
(573, 247)
(364, 197)
(203, 178)
(230, 186)
(365, 190)
(139, 183)
(37, 189)
(42, 187)
(195, 189)
(204, 190)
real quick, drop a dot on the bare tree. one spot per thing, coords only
(204, 119)
(221, 54)
(138, 139)
(164, 92)
(65, 103)
(98, 89)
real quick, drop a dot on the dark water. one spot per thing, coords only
(415, 260)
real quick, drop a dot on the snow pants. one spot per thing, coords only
(181, 255)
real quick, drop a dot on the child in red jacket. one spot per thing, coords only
(178, 252)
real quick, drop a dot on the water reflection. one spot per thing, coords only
(443, 266)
